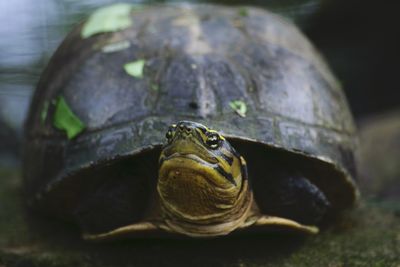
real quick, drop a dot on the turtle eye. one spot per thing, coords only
(170, 133)
(213, 140)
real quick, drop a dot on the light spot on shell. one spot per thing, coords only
(115, 47)
(195, 43)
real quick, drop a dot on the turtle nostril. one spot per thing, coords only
(181, 127)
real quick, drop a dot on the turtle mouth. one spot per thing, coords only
(205, 160)
(188, 148)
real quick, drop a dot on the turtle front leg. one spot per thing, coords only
(120, 202)
(259, 221)
(140, 229)
(150, 225)
(288, 201)
(292, 196)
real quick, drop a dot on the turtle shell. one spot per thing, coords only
(198, 60)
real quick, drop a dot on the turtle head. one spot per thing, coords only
(202, 180)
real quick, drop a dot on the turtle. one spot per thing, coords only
(189, 121)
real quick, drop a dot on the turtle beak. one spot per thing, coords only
(187, 146)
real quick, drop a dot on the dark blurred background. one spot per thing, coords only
(360, 40)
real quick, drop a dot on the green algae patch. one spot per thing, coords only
(243, 12)
(64, 119)
(239, 106)
(108, 19)
(155, 87)
(135, 68)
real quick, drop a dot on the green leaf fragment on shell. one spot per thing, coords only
(108, 19)
(43, 114)
(115, 47)
(239, 106)
(64, 119)
(243, 12)
(154, 87)
(135, 68)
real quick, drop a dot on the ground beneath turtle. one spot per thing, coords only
(369, 236)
